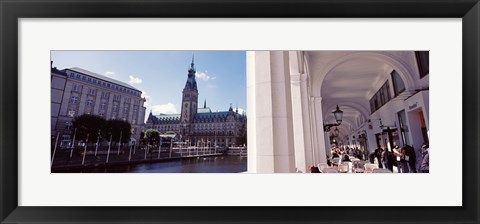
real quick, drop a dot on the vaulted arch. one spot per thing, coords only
(404, 71)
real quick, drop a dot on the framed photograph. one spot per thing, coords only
(221, 111)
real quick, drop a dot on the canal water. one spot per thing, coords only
(214, 164)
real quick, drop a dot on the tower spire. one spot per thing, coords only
(193, 57)
(205, 103)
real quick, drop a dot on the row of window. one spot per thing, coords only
(103, 105)
(199, 127)
(104, 95)
(380, 98)
(75, 100)
(72, 113)
(383, 94)
(104, 84)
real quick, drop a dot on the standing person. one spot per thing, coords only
(411, 159)
(403, 161)
(396, 158)
(425, 167)
(378, 155)
(371, 157)
(387, 159)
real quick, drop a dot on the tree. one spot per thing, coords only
(114, 127)
(152, 136)
(143, 140)
(90, 125)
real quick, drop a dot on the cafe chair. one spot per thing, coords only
(358, 166)
(329, 170)
(343, 168)
(321, 166)
(369, 167)
(381, 170)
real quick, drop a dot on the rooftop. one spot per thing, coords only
(98, 76)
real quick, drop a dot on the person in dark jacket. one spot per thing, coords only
(378, 155)
(411, 159)
(387, 159)
(371, 157)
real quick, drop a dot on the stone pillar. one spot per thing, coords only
(251, 102)
(82, 100)
(298, 137)
(97, 101)
(273, 145)
(108, 114)
(307, 134)
(317, 118)
(313, 131)
(130, 117)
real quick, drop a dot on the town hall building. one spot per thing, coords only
(200, 126)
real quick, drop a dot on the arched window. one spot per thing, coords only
(398, 85)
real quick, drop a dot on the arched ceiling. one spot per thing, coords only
(353, 81)
(350, 81)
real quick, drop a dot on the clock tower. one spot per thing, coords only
(190, 97)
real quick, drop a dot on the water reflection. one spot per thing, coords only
(216, 164)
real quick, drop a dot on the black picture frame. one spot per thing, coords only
(11, 11)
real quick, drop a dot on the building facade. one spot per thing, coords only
(384, 97)
(201, 126)
(75, 91)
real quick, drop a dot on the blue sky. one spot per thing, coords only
(161, 75)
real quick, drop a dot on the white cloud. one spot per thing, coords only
(110, 74)
(204, 76)
(168, 108)
(134, 80)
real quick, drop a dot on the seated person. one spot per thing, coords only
(314, 169)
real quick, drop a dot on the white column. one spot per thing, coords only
(320, 149)
(327, 145)
(313, 131)
(251, 123)
(307, 134)
(298, 137)
(273, 146)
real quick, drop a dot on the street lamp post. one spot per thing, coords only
(85, 150)
(338, 114)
